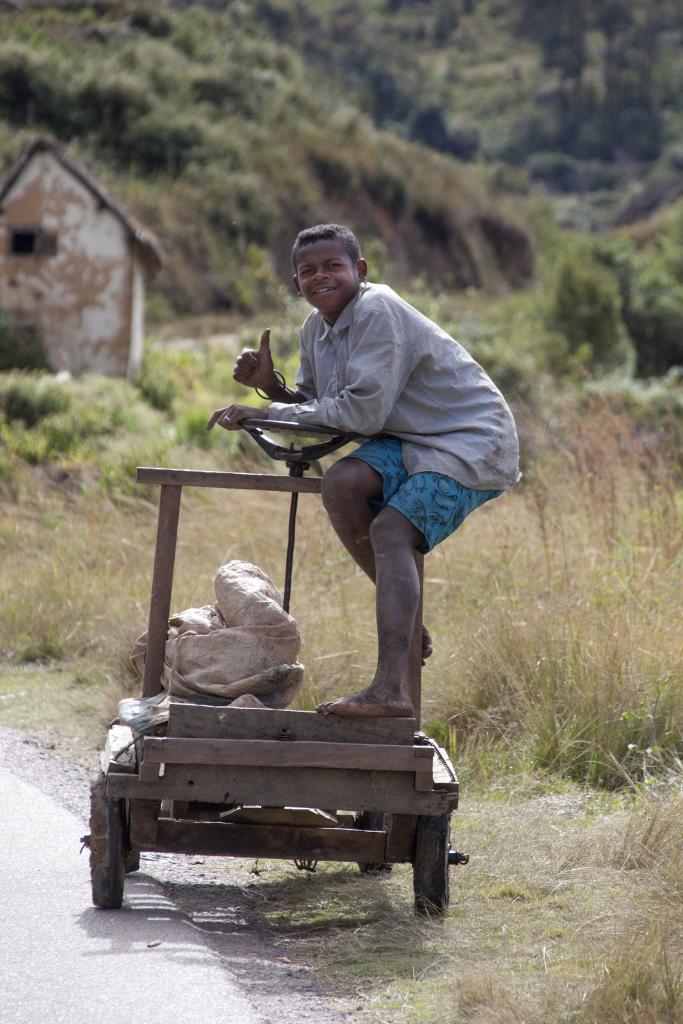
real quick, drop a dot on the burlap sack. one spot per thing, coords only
(246, 596)
(246, 643)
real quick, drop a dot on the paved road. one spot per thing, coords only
(63, 961)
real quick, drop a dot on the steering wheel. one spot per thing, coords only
(297, 457)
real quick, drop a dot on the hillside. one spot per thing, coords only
(432, 127)
(222, 137)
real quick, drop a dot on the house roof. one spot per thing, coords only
(149, 247)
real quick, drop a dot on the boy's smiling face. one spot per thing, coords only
(327, 277)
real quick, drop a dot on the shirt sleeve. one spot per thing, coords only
(378, 367)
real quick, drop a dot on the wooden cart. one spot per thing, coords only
(242, 782)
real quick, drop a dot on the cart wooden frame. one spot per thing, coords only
(390, 790)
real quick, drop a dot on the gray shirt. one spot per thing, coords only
(384, 367)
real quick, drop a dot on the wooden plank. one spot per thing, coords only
(231, 481)
(423, 782)
(282, 787)
(301, 817)
(401, 829)
(144, 815)
(415, 656)
(201, 720)
(281, 754)
(283, 841)
(162, 581)
(444, 778)
(149, 771)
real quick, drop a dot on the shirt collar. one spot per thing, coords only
(343, 321)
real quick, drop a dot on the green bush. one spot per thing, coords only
(654, 315)
(651, 288)
(429, 125)
(564, 173)
(56, 436)
(8, 473)
(118, 471)
(35, 86)
(255, 285)
(110, 103)
(237, 206)
(585, 308)
(387, 188)
(21, 348)
(153, 22)
(191, 429)
(164, 140)
(30, 397)
(155, 382)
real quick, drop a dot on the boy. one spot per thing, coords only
(372, 364)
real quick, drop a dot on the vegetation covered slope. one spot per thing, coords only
(226, 140)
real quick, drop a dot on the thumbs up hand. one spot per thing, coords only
(254, 368)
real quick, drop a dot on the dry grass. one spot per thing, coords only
(557, 664)
(562, 639)
(549, 922)
(554, 609)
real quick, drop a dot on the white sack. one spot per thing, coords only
(245, 596)
(245, 643)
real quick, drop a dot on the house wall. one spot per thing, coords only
(137, 317)
(80, 298)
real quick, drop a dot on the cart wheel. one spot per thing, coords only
(371, 821)
(132, 861)
(107, 846)
(430, 865)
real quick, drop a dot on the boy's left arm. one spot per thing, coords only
(254, 368)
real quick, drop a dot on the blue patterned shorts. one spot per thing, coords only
(434, 503)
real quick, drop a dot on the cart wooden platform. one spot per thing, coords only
(233, 781)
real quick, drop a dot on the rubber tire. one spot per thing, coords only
(132, 861)
(132, 856)
(107, 847)
(371, 821)
(431, 882)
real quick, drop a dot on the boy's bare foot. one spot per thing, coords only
(368, 703)
(427, 647)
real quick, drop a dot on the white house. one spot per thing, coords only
(73, 263)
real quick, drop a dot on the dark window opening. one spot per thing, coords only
(32, 242)
(23, 242)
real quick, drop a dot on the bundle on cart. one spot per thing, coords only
(243, 645)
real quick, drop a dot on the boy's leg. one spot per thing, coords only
(348, 487)
(384, 546)
(394, 541)
(347, 490)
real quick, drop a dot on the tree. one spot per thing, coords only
(630, 118)
(560, 30)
